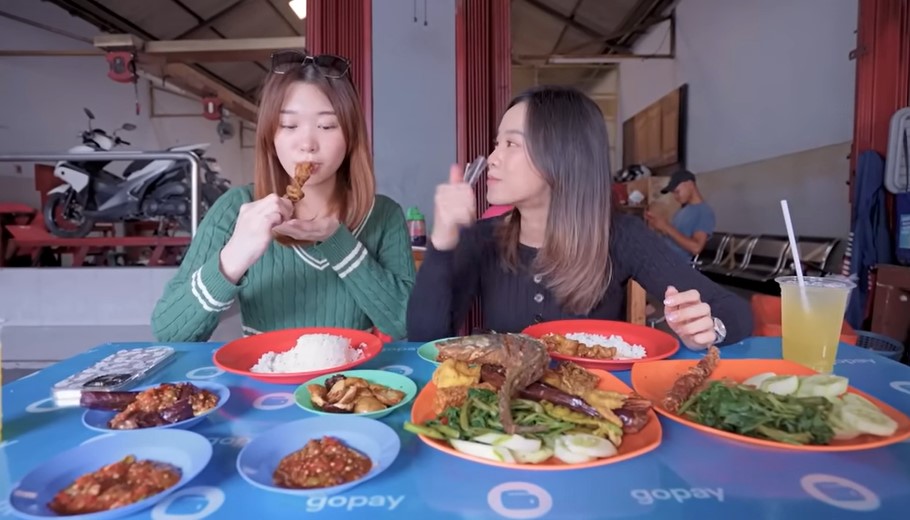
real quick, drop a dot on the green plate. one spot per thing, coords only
(429, 352)
(379, 377)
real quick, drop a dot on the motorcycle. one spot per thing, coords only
(147, 189)
(212, 185)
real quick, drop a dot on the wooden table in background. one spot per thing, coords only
(636, 303)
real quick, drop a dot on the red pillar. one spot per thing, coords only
(882, 73)
(345, 28)
(483, 75)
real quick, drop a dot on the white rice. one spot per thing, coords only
(624, 349)
(312, 352)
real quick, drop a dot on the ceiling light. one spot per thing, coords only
(299, 8)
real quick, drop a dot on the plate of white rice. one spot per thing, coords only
(293, 356)
(311, 352)
(633, 343)
(624, 349)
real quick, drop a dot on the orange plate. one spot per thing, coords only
(653, 380)
(239, 356)
(632, 446)
(657, 344)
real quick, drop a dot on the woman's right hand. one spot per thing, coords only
(253, 234)
(455, 208)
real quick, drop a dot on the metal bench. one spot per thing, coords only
(735, 256)
(713, 250)
(767, 258)
(815, 254)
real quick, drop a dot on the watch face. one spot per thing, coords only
(719, 328)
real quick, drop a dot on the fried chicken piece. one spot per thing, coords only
(386, 396)
(605, 403)
(694, 378)
(318, 395)
(345, 387)
(570, 378)
(302, 173)
(451, 373)
(455, 396)
(560, 344)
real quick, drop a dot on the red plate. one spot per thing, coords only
(239, 356)
(652, 381)
(657, 344)
(633, 444)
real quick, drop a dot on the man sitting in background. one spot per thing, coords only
(692, 225)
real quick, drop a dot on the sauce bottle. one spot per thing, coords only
(417, 227)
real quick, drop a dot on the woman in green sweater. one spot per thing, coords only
(339, 257)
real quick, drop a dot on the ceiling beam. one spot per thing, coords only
(201, 84)
(574, 59)
(571, 22)
(214, 18)
(200, 51)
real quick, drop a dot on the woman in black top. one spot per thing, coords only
(561, 253)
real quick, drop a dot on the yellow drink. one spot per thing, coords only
(811, 319)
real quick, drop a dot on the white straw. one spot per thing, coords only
(794, 251)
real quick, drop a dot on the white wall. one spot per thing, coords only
(414, 129)
(42, 100)
(766, 79)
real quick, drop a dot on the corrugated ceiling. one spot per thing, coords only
(539, 27)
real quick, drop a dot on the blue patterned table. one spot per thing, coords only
(691, 475)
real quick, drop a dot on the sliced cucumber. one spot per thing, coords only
(533, 457)
(568, 456)
(497, 453)
(858, 400)
(822, 385)
(491, 438)
(589, 445)
(512, 442)
(842, 430)
(780, 385)
(867, 420)
(758, 379)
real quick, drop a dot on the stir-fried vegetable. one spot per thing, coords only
(749, 411)
(479, 415)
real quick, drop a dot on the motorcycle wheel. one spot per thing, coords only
(57, 221)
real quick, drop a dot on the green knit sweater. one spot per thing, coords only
(358, 279)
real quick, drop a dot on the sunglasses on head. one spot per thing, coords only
(328, 65)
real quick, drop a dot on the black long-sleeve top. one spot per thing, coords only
(448, 282)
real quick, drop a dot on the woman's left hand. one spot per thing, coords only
(316, 230)
(690, 318)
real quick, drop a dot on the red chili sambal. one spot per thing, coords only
(321, 463)
(116, 485)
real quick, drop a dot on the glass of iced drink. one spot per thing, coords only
(812, 318)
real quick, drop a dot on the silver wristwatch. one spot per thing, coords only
(720, 330)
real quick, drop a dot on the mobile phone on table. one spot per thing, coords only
(119, 371)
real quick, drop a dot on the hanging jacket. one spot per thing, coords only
(871, 239)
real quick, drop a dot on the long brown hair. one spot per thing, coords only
(566, 141)
(355, 186)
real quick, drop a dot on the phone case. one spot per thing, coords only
(119, 371)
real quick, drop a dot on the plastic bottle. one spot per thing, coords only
(417, 227)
